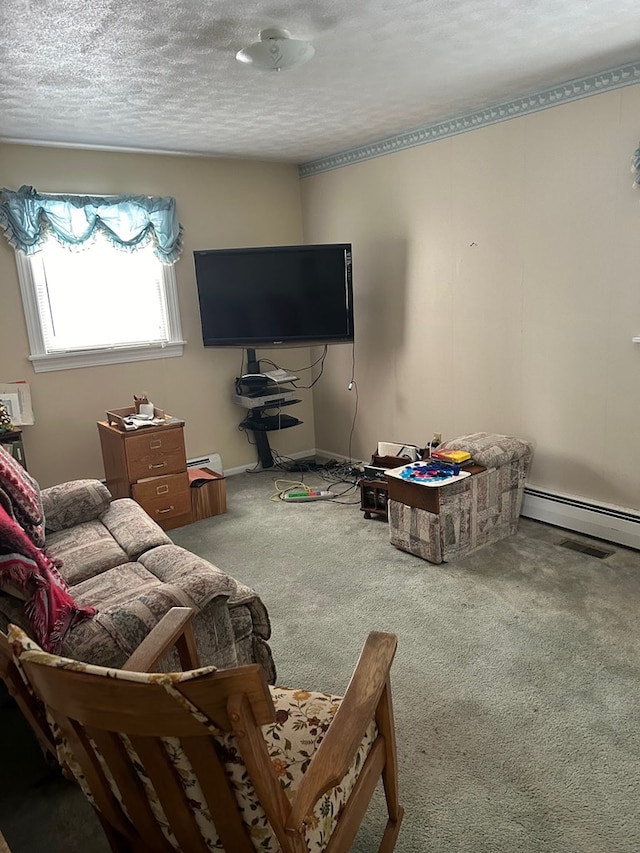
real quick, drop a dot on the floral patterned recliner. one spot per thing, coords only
(116, 559)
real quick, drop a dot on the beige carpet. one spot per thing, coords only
(515, 684)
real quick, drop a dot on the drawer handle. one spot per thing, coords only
(159, 465)
(155, 443)
(162, 490)
(160, 511)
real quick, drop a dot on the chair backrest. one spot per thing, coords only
(21, 692)
(179, 761)
(149, 752)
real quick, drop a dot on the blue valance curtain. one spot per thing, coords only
(128, 222)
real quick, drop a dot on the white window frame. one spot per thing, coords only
(43, 361)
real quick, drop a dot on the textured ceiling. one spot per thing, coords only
(163, 75)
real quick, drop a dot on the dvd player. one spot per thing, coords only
(275, 398)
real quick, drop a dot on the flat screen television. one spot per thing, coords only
(275, 295)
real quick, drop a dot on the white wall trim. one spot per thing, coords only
(211, 460)
(592, 518)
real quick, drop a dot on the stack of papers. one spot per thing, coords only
(136, 421)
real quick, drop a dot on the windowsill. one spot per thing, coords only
(93, 358)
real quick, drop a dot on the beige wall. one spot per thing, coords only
(497, 287)
(220, 203)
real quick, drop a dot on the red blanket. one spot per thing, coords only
(50, 608)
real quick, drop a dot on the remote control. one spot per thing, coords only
(313, 495)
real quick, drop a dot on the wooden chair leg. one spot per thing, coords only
(391, 832)
(386, 726)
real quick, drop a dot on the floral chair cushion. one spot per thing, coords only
(302, 720)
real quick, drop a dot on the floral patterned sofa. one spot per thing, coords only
(114, 558)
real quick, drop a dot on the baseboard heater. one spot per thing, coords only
(602, 521)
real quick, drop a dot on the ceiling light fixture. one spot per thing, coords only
(276, 51)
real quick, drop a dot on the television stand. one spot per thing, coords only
(261, 424)
(263, 418)
(253, 364)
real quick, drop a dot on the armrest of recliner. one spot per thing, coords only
(358, 708)
(174, 629)
(75, 502)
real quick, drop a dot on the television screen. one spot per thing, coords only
(275, 296)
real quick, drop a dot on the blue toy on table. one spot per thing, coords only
(429, 471)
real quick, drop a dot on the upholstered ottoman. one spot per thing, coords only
(451, 521)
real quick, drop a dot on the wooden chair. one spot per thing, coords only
(21, 693)
(210, 759)
(173, 629)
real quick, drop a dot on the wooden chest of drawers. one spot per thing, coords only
(150, 466)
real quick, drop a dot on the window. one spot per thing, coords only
(99, 305)
(96, 275)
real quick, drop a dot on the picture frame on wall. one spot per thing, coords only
(16, 398)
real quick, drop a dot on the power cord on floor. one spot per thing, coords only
(285, 487)
(282, 490)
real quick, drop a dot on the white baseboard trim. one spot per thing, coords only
(339, 457)
(301, 454)
(591, 518)
(241, 469)
(600, 520)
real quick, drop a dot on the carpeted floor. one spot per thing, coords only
(515, 683)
